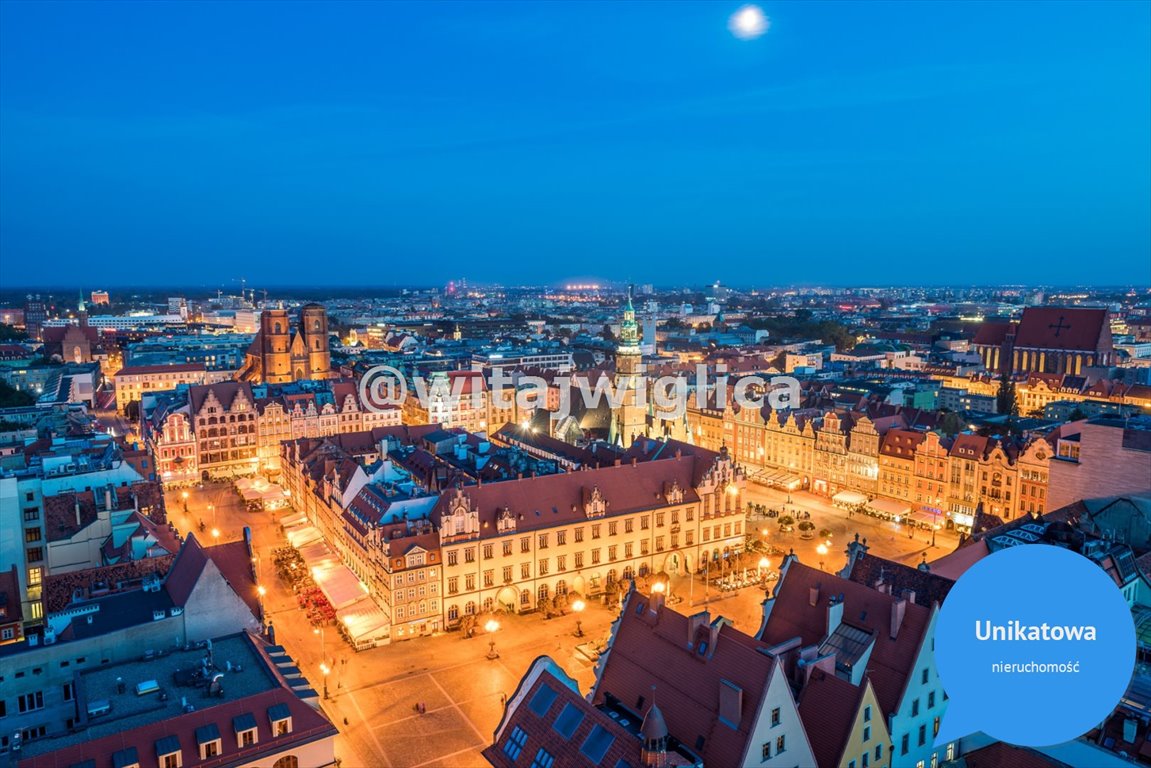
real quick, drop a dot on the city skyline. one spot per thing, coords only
(887, 144)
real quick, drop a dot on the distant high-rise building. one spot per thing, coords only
(101, 297)
(178, 305)
(35, 313)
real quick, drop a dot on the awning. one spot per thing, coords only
(298, 536)
(928, 518)
(291, 521)
(363, 620)
(338, 583)
(891, 507)
(315, 553)
(849, 498)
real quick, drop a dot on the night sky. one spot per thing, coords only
(387, 143)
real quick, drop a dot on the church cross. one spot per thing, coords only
(1060, 326)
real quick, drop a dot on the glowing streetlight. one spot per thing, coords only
(578, 606)
(822, 550)
(215, 535)
(764, 564)
(325, 669)
(491, 627)
(658, 588)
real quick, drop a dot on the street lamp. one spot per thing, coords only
(325, 669)
(822, 550)
(320, 631)
(491, 627)
(215, 536)
(578, 606)
(260, 592)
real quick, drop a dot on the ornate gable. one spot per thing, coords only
(594, 504)
(462, 518)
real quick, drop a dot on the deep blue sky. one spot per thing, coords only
(383, 143)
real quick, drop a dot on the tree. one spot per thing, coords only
(10, 397)
(10, 333)
(608, 334)
(1076, 415)
(951, 424)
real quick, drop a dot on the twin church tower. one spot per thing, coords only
(282, 352)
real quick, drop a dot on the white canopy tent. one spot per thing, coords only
(848, 499)
(897, 510)
(364, 622)
(300, 535)
(338, 583)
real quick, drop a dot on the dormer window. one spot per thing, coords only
(168, 753)
(208, 740)
(281, 719)
(245, 728)
(126, 758)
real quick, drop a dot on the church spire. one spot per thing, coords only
(629, 329)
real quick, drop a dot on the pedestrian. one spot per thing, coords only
(345, 721)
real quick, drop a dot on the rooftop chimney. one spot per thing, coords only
(834, 613)
(694, 623)
(898, 608)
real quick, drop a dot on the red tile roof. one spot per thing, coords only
(901, 443)
(991, 333)
(185, 572)
(550, 500)
(1070, 328)
(625, 746)
(828, 707)
(889, 665)
(662, 648)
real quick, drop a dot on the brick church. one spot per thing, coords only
(1062, 340)
(283, 352)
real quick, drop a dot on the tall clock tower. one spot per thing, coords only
(629, 420)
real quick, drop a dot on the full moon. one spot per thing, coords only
(748, 22)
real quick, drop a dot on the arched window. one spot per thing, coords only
(489, 604)
(287, 761)
(525, 598)
(542, 592)
(277, 328)
(470, 608)
(561, 587)
(628, 573)
(453, 612)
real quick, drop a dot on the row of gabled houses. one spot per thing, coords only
(235, 428)
(886, 453)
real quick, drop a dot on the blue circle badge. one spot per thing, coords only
(1035, 645)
